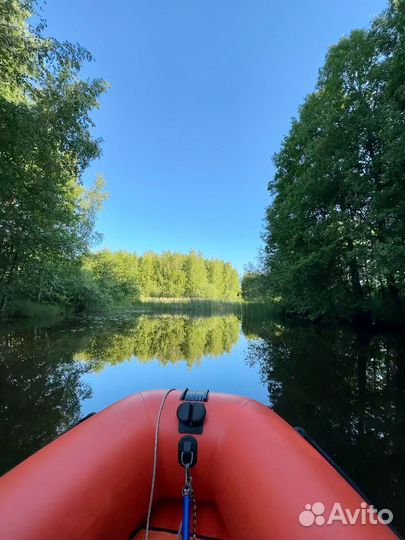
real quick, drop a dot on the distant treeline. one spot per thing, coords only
(334, 242)
(120, 276)
(120, 279)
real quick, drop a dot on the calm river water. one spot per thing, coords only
(345, 389)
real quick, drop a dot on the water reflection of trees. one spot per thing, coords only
(40, 388)
(165, 338)
(40, 378)
(346, 390)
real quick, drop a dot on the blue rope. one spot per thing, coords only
(185, 527)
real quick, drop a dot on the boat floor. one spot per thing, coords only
(166, 519)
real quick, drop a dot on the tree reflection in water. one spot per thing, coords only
(346, 390)
(164, 338)
(41, 383)
(41, 390)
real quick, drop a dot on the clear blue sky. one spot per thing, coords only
(202, 93)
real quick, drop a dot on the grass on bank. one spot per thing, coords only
(24, 309)
(41, 310)
(189, 305)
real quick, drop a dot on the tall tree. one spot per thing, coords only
(335, 230)
(45, 145)
(196, 276)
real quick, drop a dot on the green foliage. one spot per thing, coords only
(196, 276)
(37, 310)
(127, 277)
(334, 240)
(115, 276)
(46, 215)
(175, 275)
(253, 286)
(194, 306)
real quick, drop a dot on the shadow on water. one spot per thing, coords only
(346, 390)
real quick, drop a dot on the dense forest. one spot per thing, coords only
(47, 215)
(334, 232)
(121, 276)
(107, 279)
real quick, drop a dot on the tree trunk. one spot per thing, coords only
(3, 305)
(395, 299)
(354, 273)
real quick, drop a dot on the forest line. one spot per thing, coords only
(122, 277)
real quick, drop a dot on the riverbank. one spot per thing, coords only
(256, 310)
(195, 306)
(190, 305)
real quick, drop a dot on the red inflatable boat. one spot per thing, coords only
(253, 477)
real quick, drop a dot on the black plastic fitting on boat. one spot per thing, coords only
(188, 451)
(191, 417)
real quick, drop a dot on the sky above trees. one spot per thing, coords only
(201, 96)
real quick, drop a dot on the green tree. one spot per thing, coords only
(146, 274)
(253, 286)
(170, 278)
(231, 284)
(215, 278)
(335, 231)
(196, 276)
(124, 278)
(46, 216)
(115, 274)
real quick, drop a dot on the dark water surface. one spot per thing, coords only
(344, 388)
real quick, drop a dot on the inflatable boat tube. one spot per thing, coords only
(255, 477)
